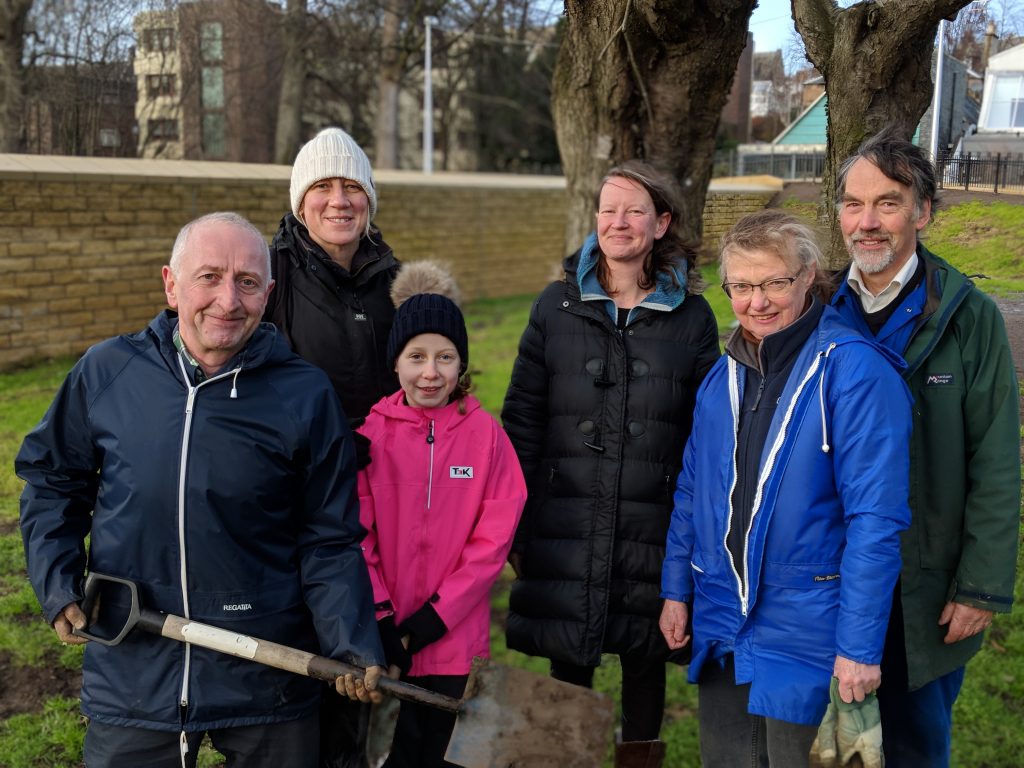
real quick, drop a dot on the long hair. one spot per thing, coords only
(673, 249)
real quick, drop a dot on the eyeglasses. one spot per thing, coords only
(775, 288)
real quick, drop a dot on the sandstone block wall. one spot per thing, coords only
(82, 240)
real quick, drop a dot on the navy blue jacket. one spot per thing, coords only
(238, 511)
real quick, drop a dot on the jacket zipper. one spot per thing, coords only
(743, 583)
(430, 477)
(186, 438)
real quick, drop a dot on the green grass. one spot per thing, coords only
(52, 737)
(982, 238)
(989, 718)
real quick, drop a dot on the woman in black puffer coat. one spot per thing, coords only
(599, 408)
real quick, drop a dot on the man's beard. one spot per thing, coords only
(877, 261)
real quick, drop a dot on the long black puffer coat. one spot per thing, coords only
(599, 418)
(337, 320)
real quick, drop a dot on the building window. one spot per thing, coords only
(213, 87)
(1007, 108)
(212, 41)
(163, 129)
(159, 85)
(110, 137)
(213, 134)
(159, 39)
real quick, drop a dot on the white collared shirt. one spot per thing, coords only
(869, 301)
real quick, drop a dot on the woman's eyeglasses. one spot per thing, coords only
(775, 288)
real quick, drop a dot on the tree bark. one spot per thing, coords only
(13, 14)
(876, 61)
(388, 84)
(643, 79)
(288, 136)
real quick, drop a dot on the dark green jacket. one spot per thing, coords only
(964, 466)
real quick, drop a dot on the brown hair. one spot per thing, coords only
(673, 248)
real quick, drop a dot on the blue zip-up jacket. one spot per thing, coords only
(821, 553)
(232, 502)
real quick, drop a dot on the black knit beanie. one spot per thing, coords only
(428, 313)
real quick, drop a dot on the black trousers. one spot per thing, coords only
(292, 744)
(643, 693)
(343, 729)
(422, 733)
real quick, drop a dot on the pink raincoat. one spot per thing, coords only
(440, 501)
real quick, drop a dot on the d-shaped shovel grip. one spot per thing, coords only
(242, 646)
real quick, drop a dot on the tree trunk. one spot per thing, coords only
(387, 97)
(876, 61)
(643, 79)
(12, 43)
(288, 136)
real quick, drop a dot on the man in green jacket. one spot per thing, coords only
(960, 551)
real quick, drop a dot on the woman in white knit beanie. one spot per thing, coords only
(333, 274)
(334, 271)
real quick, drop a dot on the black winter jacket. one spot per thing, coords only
(599, 419)
(335, 319)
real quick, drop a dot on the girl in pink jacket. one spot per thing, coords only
(440, 499)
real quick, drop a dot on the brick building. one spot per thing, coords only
(208, 75)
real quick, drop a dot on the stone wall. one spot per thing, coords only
(82, 240)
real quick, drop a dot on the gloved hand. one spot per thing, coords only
(423, 628)
(394, 649)
(361, 443)
(848, 730)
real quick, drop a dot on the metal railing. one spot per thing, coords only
(981, 173)
(791, 166)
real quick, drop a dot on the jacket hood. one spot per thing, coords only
(373, 255)
(447, 417)
(581, 269)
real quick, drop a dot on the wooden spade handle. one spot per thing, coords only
(281, 656)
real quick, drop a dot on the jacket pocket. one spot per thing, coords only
(714, 582)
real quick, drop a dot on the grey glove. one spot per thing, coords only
(848, 730)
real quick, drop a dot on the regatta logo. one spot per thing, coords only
(827, 577)
(939, 379)
(238, 607)
(460, 473)
(360, 316)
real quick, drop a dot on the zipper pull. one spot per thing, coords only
(430, 433)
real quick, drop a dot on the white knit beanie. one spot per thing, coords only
(331, 154)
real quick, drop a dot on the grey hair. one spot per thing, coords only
(219, 217)
(899, 160)
(777, 232)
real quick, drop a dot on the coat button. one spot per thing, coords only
(586, 427)
(565, 303)
(636, 429)
(639, 368)
(595, 366)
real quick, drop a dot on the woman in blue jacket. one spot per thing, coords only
(784, 540)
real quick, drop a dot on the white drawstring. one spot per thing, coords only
(825, 448)
(183, 747)
(234, 384)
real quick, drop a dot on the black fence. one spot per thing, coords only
(981, 173)
(784, 165)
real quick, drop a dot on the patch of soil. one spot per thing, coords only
(24, 689)
(8, 526)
